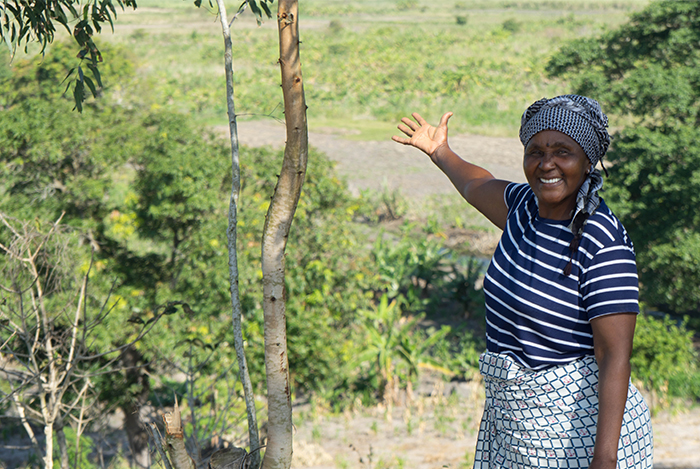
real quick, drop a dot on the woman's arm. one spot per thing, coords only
(612, 344)
(474, 183)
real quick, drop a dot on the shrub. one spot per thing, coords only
(512, 25)
(664, 359)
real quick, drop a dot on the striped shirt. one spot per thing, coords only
(534, 312)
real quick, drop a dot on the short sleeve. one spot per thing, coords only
(609, 284)
(515, 194)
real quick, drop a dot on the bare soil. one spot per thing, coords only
(370, 165)
(437, 428)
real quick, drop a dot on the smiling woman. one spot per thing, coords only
(561, 298)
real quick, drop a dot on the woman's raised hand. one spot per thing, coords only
(422, 135)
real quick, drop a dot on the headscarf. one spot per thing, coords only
(582, 119)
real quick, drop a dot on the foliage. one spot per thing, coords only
(43, 76)
(460, 350)
(22, 23)
(393, 347)
(327, 272)
(462, 19)
(664, 358)
(68, 165)
(408, 268)
(422, 274)
(647, 72)
(78, 456)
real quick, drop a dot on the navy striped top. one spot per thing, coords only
(533, 311)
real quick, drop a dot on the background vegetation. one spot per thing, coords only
(374, 293)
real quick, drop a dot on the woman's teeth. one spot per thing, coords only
(550, 181)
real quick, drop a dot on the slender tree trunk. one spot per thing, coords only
(278, 454)
(136, 434)
(48, 445)
(236, 312)
(175, 440)
(62, 447)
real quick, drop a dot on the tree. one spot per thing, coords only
(647, 73)
(20, 24)
(47, 331)
(231, 232)
(277, 224)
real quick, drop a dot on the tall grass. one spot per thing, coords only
(367, 60)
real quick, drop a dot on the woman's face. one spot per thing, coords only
(555, 167)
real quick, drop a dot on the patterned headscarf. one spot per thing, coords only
(581, 119)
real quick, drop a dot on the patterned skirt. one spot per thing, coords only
(547, 418)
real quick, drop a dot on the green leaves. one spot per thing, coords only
(394, 347)
(260, 7)
(663, 354)
(180, 179)
(24, 22)
(641, 63)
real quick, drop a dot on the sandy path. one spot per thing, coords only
(368, 165)
(435, 435)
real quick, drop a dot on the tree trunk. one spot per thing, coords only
(175, 440)
(231, 232)
(48, 445)
(136, 434)
(62, 447)
(278, 454)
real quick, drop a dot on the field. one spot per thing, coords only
(366, 64)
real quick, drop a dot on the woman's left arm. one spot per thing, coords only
(612, 344)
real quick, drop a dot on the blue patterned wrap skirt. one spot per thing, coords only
(547, 418)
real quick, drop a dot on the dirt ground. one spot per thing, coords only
(369, 165)
(437, 428)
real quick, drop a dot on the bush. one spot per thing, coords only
(461, 20)
(512, 25)
(664, 359)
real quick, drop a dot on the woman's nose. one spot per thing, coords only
(547, 161)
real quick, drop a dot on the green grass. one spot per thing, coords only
(366, 63)
(355, 129)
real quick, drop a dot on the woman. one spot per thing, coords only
(561, 298)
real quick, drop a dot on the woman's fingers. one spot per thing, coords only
(418, 119)
(405, 130)
(421, 134)
(445, 118)
(410, 124)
